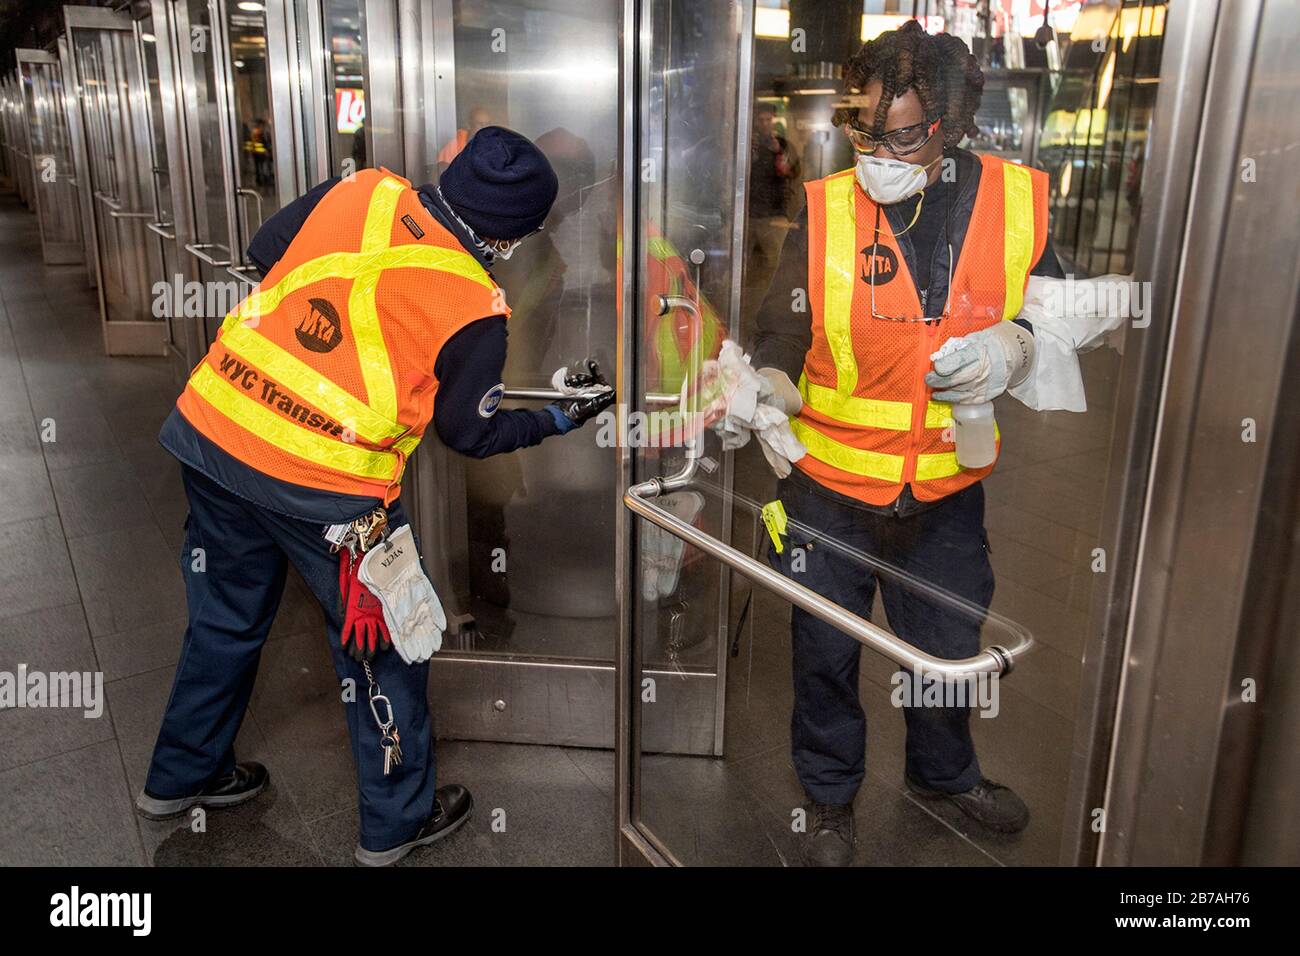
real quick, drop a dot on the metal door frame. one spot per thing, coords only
(121, 336)
(77, 143)
(1181, 741)
(635, 845)
(276, 75)
(180, 229)
(474, 697)
(22, 160)
(53, 252)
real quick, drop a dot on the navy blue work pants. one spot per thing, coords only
(946, 546)
(234, 560)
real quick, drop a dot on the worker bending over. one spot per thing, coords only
(376, 314)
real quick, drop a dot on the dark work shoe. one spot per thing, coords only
(995, 806)
(452, 806)
(832, 839)
(242, 784)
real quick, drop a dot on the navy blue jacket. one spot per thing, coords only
(469, 368)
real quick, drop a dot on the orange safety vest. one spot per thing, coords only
(867, 420)
(323, 375)
(674, 335)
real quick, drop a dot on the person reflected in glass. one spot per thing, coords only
(773, 170)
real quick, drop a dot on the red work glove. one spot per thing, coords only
(364, 631)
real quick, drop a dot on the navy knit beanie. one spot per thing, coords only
(500, 184)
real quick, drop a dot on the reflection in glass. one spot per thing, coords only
(253, 120)
(1028, 530)
(541, 521)
(344, 106)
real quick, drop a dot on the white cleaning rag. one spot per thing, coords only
(747, 405)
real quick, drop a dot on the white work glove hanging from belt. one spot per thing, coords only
(412, 610)
(979, 367)
(754, 402)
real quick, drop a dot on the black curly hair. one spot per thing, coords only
(940, 68)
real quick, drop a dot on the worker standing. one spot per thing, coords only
(376, 315)
(914, 264)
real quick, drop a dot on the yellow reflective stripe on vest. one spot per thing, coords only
(380, 214)
(660, 248)
(870, 412)
(297, 375)
(837, 280)
(372, 353)
(873, 464)
(941, 465)
(857, 461)
(350, 265)
(938, 414)
(1018, 234)
(257, 418)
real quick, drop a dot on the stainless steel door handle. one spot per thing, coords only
(994, 659)
(160, 228)
(551, 395)
(242, 191)
(115, 210)
(196, 249)
(238, 273)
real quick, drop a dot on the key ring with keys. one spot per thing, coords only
(389, 740)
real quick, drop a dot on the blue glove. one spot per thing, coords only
(562, 421)
(571, 413)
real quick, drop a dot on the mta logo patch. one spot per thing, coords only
(319, 330)
(877, 266)
(491, 400)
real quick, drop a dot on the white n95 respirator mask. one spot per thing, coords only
(889, 181)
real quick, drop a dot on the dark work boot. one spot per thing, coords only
(452, 806)
(995, 806)
(242, 784)
(832, 839)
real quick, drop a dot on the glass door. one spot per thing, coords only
(213, 240)
(332, 60)
(15, 141)
(173, 213)
(997, 611)
(102, 49)
(80, 163)
(535, 608)
(223, 120)
(258, 95)
(522, 547)
(48, 145)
